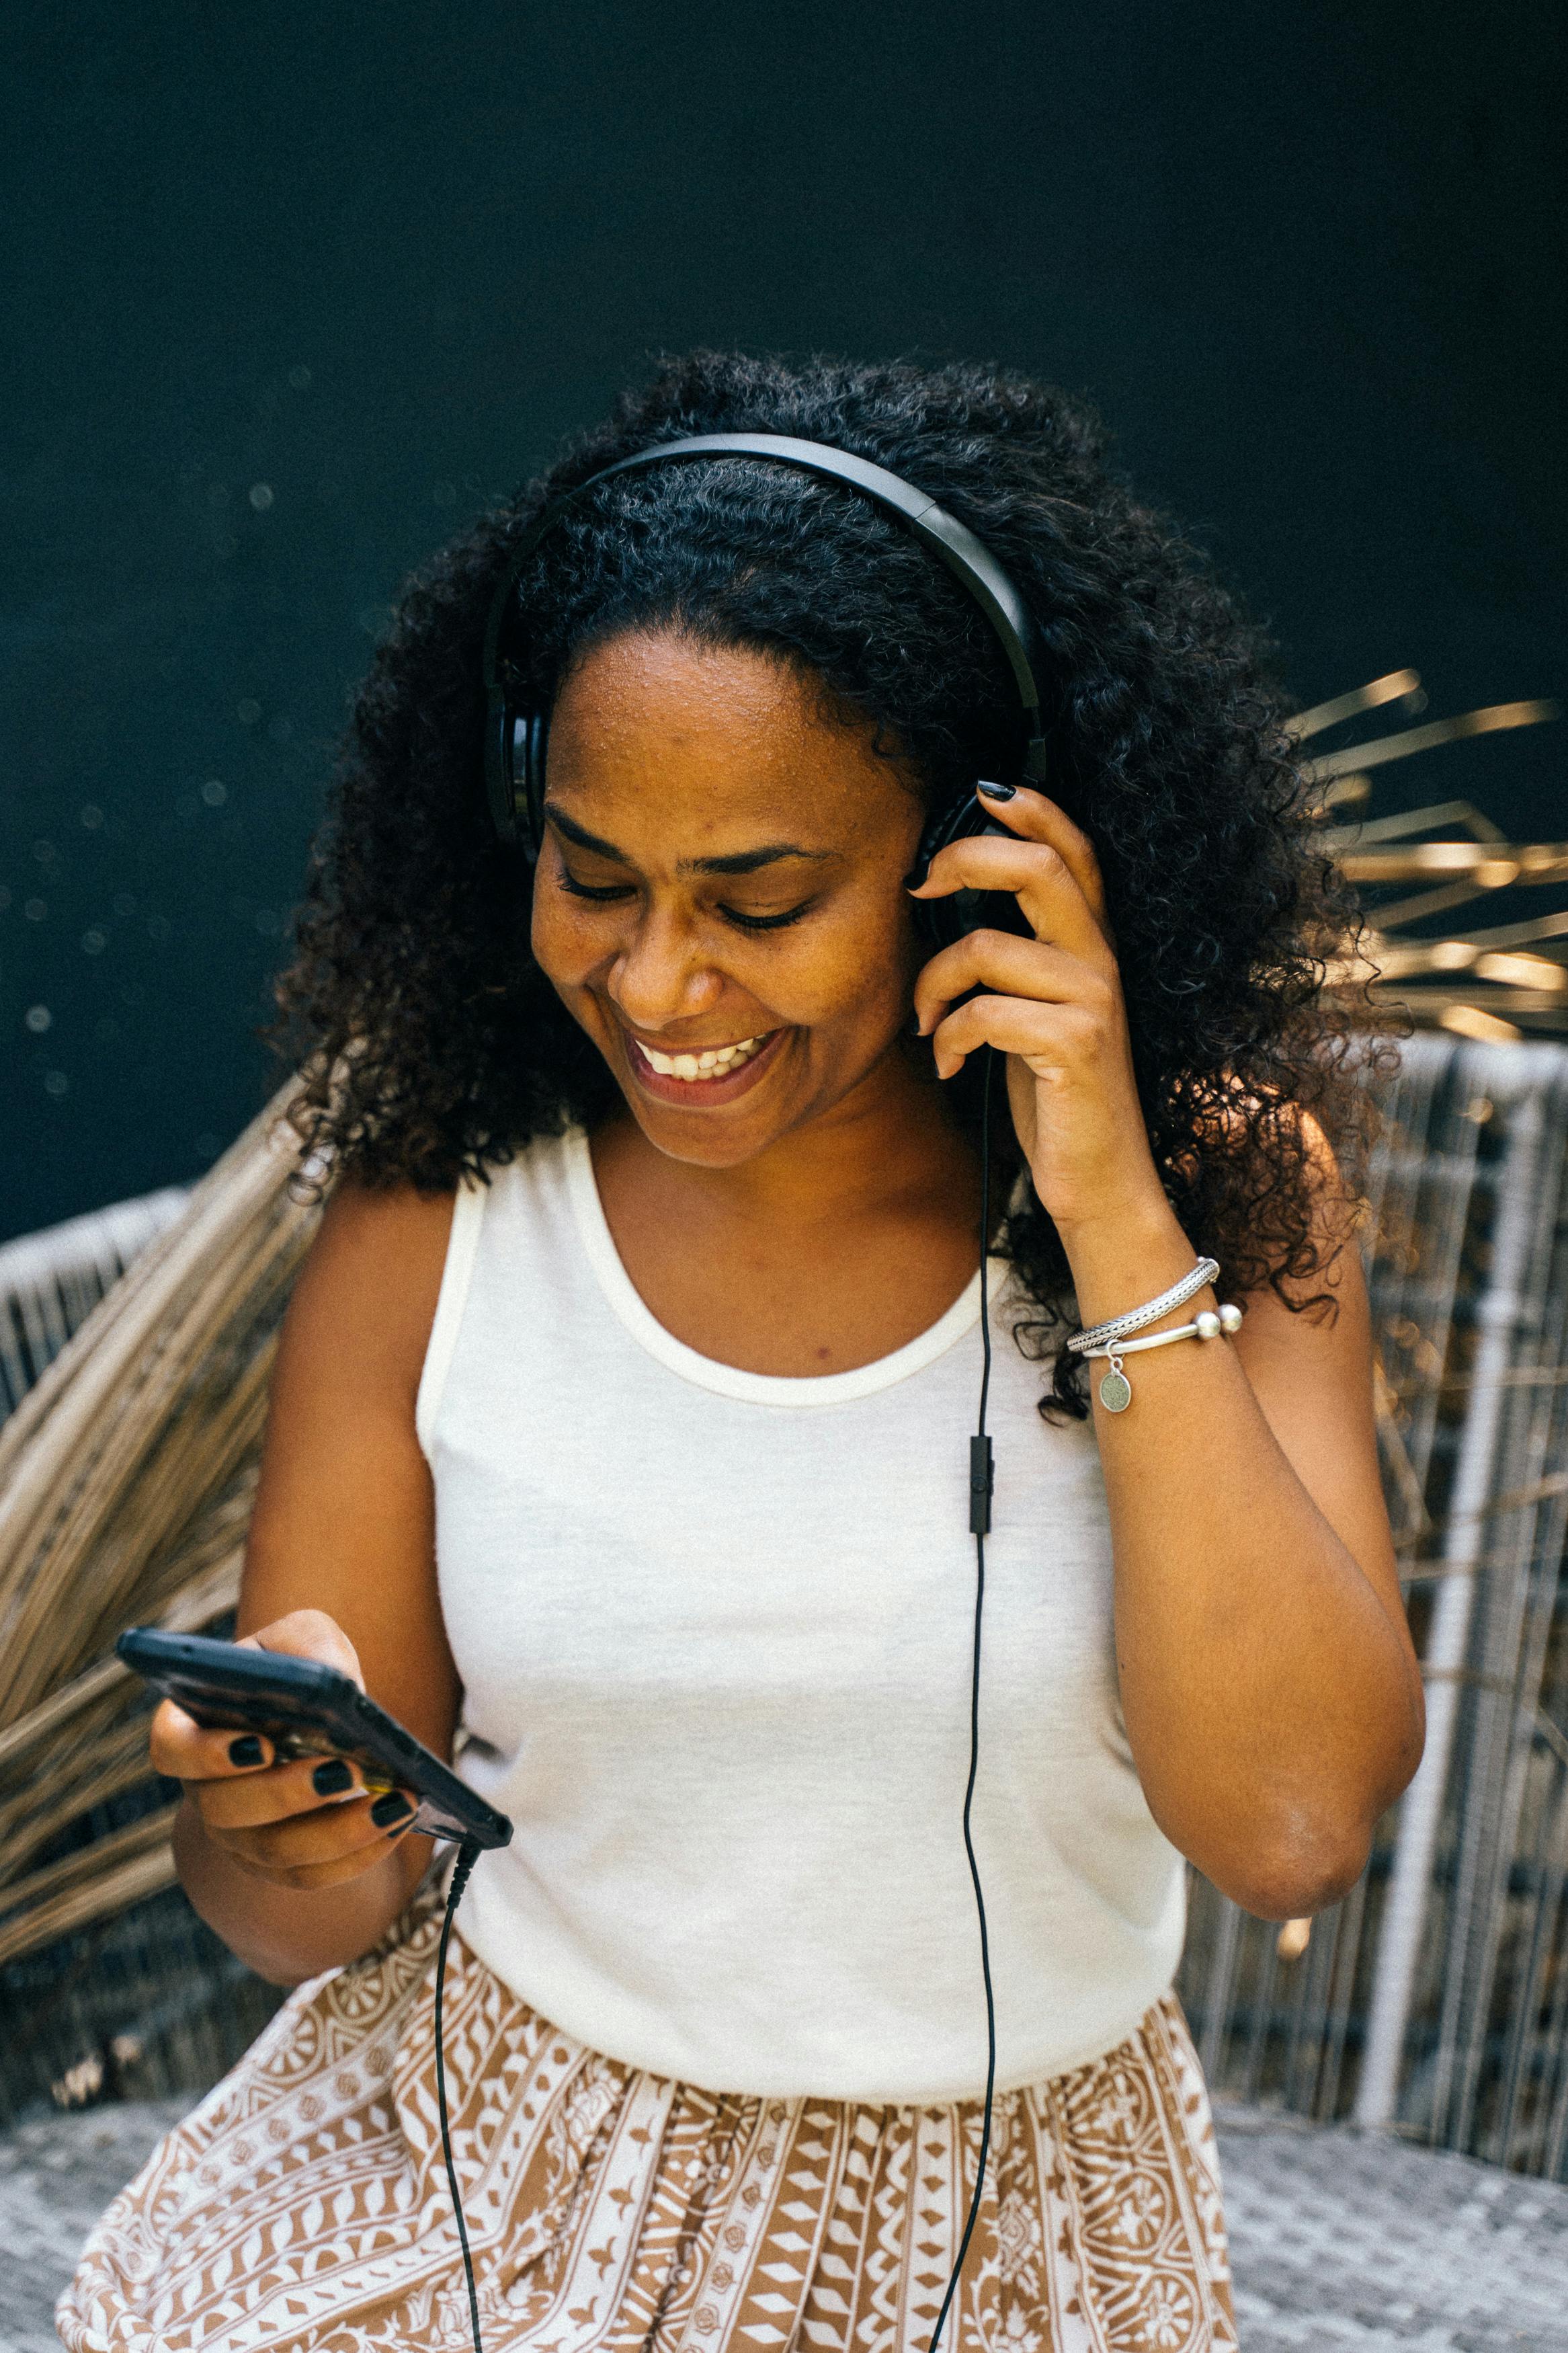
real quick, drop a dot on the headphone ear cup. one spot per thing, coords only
(940, 923)
(532, 731)
(936, 923)
(501, 796)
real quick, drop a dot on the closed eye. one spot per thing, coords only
(606, 892)
(590, 890)
(765, 923)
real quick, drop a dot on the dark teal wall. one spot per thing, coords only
(292, 288)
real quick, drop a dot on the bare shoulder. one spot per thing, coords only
(344, 1519)
(365, 1297)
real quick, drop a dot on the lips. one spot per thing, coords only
(711, 1062)
(702, 1075)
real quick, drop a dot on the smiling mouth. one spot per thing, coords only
(712, 1062)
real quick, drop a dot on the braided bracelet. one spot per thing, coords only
(1094, 1341)
(1116, 1389)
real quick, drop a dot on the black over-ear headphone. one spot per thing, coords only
(515, 738)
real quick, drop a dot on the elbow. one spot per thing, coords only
(1308, 1848)
(1293, 1876)
(1295, 1895)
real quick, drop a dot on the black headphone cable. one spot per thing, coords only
(982, 1480)
(467, 1854)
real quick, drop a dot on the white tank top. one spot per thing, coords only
(713, 1629)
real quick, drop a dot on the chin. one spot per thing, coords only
(703, 1149)
(704, 1139)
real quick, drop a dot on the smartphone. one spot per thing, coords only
(307, 1709)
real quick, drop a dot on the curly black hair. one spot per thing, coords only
(428, 1041)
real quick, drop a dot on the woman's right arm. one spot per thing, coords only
(340, 1566)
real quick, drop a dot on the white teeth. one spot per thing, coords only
(714, 1063)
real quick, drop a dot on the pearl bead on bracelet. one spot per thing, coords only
(1116, 1389)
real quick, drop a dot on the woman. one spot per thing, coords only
(619, 1435)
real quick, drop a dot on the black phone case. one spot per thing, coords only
(306, 1709)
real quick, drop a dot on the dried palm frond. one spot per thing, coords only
(126, 1478)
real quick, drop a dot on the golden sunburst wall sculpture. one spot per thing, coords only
(1495, 983)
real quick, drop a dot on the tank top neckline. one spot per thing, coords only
(802, 1389)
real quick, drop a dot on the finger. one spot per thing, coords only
(1001, 961)
(331, 1834)
(1035, 873)
(182, 1749)
(308, 1634)
(1045, 1035)
(1036, 817)
(324, 1875)
(244, 1801)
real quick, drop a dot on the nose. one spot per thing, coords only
(660, 977)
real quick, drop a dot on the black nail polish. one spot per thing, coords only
(246, 1750)
(915, 877)
(394, 1807)
(997, 792)
(332, 1779)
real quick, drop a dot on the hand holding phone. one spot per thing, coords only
(295, 1773)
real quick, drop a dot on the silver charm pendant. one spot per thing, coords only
(1116, 1391)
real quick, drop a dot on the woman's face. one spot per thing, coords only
(718, 900)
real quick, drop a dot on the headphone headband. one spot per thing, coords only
(970, 563)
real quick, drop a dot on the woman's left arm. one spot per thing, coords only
(1271, 1694)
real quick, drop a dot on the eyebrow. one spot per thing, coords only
(738, 862)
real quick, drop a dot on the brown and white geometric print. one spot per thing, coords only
(303, 2208)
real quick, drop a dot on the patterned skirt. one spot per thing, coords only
(303, 2208)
